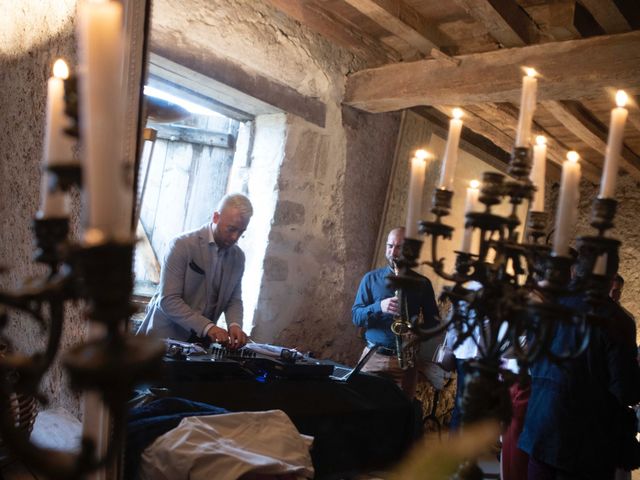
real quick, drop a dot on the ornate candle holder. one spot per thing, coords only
(510, 289)
(110, 364)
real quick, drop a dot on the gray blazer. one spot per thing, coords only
(183, 300)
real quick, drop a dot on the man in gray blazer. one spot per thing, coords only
(201, 278)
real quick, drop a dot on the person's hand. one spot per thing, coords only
(219, 335)
(390, 305)
(237, 338)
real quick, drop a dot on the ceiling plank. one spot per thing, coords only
(588, 129)
(505, 20)
(570, 70)
(402, 20)
(504, 120)
(312, 16)
(556, 20)
(608, 15)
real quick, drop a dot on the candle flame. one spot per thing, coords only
(475, 184)
(531, 72)
(60, 69)
(457, 113)
(573, 156)
(541, 140)
(422, 154)
(621, 98)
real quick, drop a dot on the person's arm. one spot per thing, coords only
(172, 279)
(365, 310)
(234, 312)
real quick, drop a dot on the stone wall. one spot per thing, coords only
(627, 229)
(34, 33)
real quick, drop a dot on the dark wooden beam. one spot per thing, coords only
(587, 128)
(505, 118)
(321, 21)
(242, 79)
(570, 70)
(608, 15)
(402, 20)
(505, 20)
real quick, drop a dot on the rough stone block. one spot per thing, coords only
(289, 213)
(276, 269)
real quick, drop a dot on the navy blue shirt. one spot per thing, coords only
(570, 418)
(367, 313)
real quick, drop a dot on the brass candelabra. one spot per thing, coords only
(506, 296)
(112, 364)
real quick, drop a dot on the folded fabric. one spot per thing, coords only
(228, 446)
(151, 420)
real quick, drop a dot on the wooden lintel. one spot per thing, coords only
(608, 15)
(244, 80)
(402, 20)
(505, 20)
(590, 131)
(198, 136)
(309, 14)
(569, 70)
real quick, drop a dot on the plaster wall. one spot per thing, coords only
(33, 33)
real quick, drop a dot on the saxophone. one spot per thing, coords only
(401, 327)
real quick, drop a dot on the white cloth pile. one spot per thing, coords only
(228, 446)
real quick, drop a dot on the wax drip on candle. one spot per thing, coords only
(527, 107)
(450, 156)
(614, 147)
(567, 211)
(416, 186)
(471, 204)
(538, 172)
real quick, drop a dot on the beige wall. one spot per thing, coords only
(33, 33)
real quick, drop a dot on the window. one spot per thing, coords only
(203, 149)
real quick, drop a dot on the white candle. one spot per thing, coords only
(600, 268)
(450, 157)
(58, 146)
(567, 212)
(614, 147)
(470, 205)
(101, 114)
(538, 171)
(416, 186)
(527, 107)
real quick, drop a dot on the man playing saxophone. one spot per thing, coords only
(375, 308)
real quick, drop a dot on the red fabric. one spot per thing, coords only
(514, 462)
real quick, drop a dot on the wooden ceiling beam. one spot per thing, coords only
(608, 15)
(309, 14)
(588, 129)
(556, 20)
(570, 70)
(504, 119)
(402, 20)
(505, 20)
